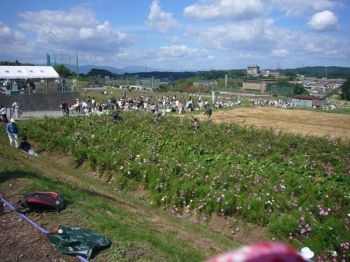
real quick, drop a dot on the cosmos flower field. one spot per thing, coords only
(295, 186)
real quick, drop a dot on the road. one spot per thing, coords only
(38, 114)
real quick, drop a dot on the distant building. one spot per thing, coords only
(253, 70)
(260, 85)
(205, 83)
(274, 73)
(309, 101)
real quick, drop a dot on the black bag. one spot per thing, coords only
(42, 201)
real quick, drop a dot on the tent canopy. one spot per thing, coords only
(25, 72)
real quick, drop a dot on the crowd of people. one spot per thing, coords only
(162, 105)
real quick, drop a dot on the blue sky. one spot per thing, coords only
(179, 35)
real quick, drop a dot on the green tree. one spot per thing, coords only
(345, 90)
(290, 76)
(299, 89)
(63, 71)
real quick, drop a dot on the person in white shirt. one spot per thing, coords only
(15, 107)
(3, 114)
(84, 107)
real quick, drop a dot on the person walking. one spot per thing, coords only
(3, 114)
(12, 132)
(208, 112)
(15, 106)
(65, 108)
(77, 106)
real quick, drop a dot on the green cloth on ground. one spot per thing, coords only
(78, 241)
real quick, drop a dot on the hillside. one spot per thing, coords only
(320, 71)
(142, 187)
(139, 231)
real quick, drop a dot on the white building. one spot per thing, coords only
(253, 70)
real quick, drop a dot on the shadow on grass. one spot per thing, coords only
(18, 174)
(15, 174)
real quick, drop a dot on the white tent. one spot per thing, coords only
(25, 72)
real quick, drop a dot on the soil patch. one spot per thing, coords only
(20, 241)
(295, 121)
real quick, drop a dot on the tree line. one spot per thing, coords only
(184, 80)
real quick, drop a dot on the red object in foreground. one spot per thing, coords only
(265, 251)
(42, 201)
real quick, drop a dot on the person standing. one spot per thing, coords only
(180, 108)
(83, 107)
(15, 106)
(3, 114)
(208, 111)
(77, 106)
(12, 132)
(93, 104)
(65, 108)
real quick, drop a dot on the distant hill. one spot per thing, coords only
(84, 69)
(320, 71)
(315, 71)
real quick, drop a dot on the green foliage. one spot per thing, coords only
(345, 88)
(298, 89)
(319, 71)
(63, 71)
(163, 74)
(16, 63)
(269, 180)
(284, 225)
(100, 72)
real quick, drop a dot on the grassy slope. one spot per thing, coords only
(139, 232)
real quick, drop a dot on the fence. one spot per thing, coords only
(273, 90)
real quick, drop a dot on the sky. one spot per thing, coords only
(183, 35)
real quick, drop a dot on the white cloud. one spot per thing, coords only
(218, 34)
(180, 51)
(323, 21)
(8, 35)
(300, 7)
(261, 41)
(77, 17)
(279, 53)
(244, 35)
(76, 30)
(173, 39)
(71, 32)
(160, 20)
(225, 9)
